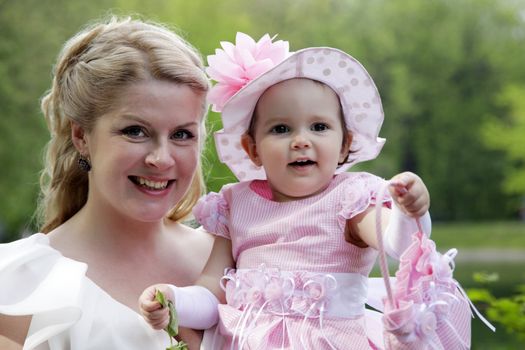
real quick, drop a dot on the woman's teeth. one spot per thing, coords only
(155, 185)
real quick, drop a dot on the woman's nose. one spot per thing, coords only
(160, 157)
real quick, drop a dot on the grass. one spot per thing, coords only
(479, 235)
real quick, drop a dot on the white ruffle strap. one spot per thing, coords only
(37, 280)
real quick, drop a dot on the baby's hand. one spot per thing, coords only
(410, 193)
(152, 311)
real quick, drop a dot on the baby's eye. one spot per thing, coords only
(319, 127)
(279, 129)
(134, 131)
(183, 134)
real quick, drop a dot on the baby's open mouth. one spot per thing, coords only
(302, 162)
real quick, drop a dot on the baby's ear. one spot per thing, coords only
(248, 144)
(345, 148)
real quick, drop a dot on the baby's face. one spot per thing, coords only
(298, 137)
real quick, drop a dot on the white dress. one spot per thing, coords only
(69, 310)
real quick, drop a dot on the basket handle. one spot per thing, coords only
(383, 265)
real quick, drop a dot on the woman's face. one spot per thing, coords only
(145, 151)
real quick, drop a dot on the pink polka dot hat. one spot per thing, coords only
(245, 70)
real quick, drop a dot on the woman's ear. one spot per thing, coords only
(78, 137)
(345, 148)
(248, 144)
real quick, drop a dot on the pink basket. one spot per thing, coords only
(426, 308)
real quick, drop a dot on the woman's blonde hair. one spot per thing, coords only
(91, 69)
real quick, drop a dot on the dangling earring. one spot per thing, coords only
(83, 163)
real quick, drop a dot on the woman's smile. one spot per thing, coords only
(154, 185)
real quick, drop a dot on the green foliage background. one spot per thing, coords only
(443, 69)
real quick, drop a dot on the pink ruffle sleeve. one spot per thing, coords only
(212, 212)
(359, 193)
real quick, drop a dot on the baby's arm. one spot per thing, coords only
(220, 259)
(196, 305)
(411, 200)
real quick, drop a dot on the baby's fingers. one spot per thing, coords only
(417, 207)
(157, 319)
(148, 302)
(159, 324)
(398, 188)
(405, 179)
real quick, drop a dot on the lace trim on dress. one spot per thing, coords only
(302, 294)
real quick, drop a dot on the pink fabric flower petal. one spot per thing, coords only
(219, 95)
(258, 68)
(229, 70)
(244, 41)
(234, 66)
(245, 58)
(228, 48)
(274, 51)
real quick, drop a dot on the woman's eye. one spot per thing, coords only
(134, 131)
(319, 127)
(183, 135)
(279, 129)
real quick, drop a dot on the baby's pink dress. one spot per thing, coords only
(298, 283)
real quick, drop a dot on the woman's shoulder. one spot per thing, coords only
(193, 235)
(191, 245)
(190, 231)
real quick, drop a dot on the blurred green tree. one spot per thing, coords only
(507, 133)
(32, 33)
(506, 311)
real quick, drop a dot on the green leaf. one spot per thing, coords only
(179, 346)
(161, 298)
(173, 326)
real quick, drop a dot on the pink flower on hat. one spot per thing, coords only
(234, 66)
